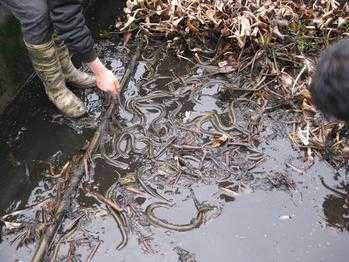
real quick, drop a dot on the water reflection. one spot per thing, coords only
(200, 156)
(335, 206)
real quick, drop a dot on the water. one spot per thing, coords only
(268, 219)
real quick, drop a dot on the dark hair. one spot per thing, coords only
(330, 84)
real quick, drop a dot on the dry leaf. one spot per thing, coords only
(130, 20)
(342, 21)
(286, 80)
(210, 14)
(303, 134)
(12, 225)
(245, 29)
(177, 21)
(305, 94)
(307, 107)
(219, 141)
(223, 63)
(278, 33)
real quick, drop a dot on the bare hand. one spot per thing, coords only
(105, 79)
(107, 82)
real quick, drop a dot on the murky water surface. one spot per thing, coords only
(266, 203)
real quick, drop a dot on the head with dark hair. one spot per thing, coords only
(330, 84)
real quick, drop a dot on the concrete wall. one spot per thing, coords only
(15, 66)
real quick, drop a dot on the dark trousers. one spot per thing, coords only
(34, 17)
(39, 18)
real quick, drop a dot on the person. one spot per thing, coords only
(329, 87)
(52, 31)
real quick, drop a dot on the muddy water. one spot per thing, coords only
(270, 213)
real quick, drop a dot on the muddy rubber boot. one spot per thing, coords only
(72, 75)
(47, 66)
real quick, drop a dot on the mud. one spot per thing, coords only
(276, 211)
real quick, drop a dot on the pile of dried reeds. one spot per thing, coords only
(276, 42)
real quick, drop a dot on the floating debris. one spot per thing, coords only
(184, 255)
(285, 217)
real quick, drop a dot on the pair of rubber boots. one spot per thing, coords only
(53, 64)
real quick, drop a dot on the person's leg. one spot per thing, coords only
(72, 74)
(48, 67)
(37, 29)
(34, 18)
(37, 33)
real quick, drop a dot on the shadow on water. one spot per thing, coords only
(335, 205)
(28, 137)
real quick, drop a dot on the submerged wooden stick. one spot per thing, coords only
(78, 171)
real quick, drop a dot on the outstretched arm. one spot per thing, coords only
(105, 79)
(69, 23)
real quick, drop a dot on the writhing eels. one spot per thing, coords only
(151, 191)
(120, 219)
(195, 222)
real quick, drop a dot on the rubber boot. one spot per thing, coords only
(47, 66)
(72, 75)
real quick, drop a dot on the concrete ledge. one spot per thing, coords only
(15, 66)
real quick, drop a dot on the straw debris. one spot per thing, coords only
(272, 43)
